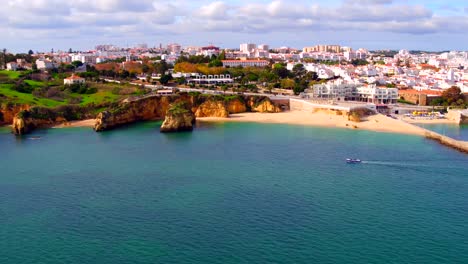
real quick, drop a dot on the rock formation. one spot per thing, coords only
(212, 108)
(26, 121)
(8, 112)
(236, 105)
(155, 107)
(178, 118)
(262, 104)
(130, 111)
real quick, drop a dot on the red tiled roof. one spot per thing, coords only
(74, 77)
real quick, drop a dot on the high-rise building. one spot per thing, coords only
(323, 48)
(174, 48)
(247, 47)
(263, 47)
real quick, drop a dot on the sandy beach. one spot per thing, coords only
(379, 123)
(428, 121)
(80, 123)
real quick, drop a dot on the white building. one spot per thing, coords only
(12, 66)
(376, 95)
(245, 63)
(264, 47)
(84, 58)
(247, 47)
(210, 79)
(342, 91)
(43, 64)
(73, 80)
(174, 48)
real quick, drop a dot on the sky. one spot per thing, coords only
(42, 25)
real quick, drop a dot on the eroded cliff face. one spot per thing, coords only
(212, 108)
(145, 109)
(156, 107)
(24, 124)
(178, 118)
(8, 113)
(262, 105)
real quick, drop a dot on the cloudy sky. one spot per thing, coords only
(373, 24)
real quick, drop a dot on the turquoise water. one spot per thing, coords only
(231, 193)
(459, 132)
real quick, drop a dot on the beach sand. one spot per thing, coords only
(81, 123)
(428, 121)
(379, 123)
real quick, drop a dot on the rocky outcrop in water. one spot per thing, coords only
(9, 111)
(178, 118)
(41, 117)
(130, 111)
(26, 121)
(155, 107)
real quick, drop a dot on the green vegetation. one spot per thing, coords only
(10, 74)
(43, 90)
(451, 97)
(178, 108)
(403, 101)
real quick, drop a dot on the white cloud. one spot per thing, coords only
(87, 18)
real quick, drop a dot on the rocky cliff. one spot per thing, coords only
(236, 105)
(212, 108)
(178, 118)
(8, 113)
(130, 111)
(262, 104)
(26, 121)
(155, 107)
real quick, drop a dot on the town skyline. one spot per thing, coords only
(80, 24)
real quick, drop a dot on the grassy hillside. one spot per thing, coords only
(16, 88)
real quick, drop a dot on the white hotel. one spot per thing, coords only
(350, 92)
(245, 63)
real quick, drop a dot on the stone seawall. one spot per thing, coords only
(459, 116)
(447, 141)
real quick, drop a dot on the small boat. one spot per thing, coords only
(353, 161)
(34, 138)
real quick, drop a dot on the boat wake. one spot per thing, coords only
(409, 165)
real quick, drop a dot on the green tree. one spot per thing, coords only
(77, 63)
(452, 95)
(281, 71)
(222, 55)
(215, 63)
(161, 67)
(30, 52)
(288, 83)
(165, 78)
(299, 70)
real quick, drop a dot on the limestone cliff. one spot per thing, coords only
(25, 121)
(8, 112)
(237, 105)
(262, 104)
(178, 118)
(130, 111)
(212, 108)
(40, 117)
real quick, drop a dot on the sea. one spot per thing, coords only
(230, 193)
(455, 131)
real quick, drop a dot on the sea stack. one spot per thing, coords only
(178, 118)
